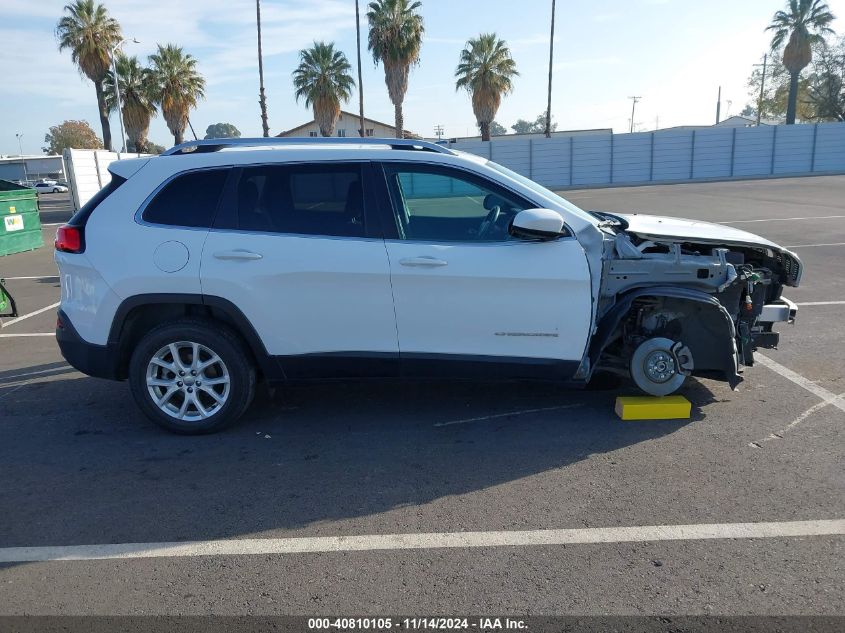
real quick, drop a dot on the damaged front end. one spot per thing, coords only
(712, 291)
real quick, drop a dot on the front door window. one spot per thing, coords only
(434, 204)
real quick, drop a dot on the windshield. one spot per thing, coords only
(548, 194)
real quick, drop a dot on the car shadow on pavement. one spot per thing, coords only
(82, 465)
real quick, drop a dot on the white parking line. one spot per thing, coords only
(26, 334)
(12, 390)
(827, 396)
(812, 245)
(434, 540)
(31, 314)
(59, 367)
(814, 217)
(505, 415)
(778, 435)
(821, 303)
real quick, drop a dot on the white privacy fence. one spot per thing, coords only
(87, 171)
(670, 155)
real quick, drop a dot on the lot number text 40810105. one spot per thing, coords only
(416, 623)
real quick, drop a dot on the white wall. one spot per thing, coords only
(87, 171)
(670, 155)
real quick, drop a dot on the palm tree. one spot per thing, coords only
(262, 99)
(803, 24)
(178, 86)
(90, 34)
(486, 71)
(323, 80)
(396, 31)
(137, 93)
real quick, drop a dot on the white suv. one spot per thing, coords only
(220, 263)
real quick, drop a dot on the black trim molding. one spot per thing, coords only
(102, 360)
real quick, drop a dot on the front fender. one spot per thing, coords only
(714, 342)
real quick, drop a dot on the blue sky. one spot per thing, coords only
(673, 53)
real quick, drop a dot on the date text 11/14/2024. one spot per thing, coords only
(416, 623)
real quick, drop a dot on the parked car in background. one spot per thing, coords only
(50, 186)
(289, 259)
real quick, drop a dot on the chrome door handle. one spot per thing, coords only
(424, 260)
(238, 254)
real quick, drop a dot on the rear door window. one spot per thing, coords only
(189, 199)
(312, 199)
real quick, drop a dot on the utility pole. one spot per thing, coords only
(762, 86)
(438, 130)
(551, 58)
(719, 105)
(262, 99)
(633, 109)
(23, 162)
(361, 130)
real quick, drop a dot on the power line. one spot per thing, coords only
(438, 130)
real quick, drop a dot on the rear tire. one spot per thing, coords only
(192, 376)
(655, 367)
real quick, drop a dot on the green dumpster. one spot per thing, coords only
(20, 226)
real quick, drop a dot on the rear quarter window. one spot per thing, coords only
(189, 199)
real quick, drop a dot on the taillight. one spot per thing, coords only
(69, 239)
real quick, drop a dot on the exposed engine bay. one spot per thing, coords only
(709, 304)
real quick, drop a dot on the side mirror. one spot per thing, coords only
(543, 224)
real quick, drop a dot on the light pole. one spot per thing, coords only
(23, 162)
(719, 105)
(548, 129)
(117, 89)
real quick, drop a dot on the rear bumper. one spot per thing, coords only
(99, 361)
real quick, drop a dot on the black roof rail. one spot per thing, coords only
(216, 144)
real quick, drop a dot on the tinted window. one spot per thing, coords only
(304, 199)
(188, 200)
(438, 204)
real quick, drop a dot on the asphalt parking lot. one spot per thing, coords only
(505, 464)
